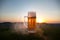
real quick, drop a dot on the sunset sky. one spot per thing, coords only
(15, 10)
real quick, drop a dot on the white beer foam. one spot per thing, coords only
(31, 14)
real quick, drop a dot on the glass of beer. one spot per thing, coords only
(31, 22)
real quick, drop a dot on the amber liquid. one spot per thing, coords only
(31, 23)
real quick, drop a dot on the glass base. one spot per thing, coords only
(31, 31)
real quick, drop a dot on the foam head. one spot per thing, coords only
(31, 14)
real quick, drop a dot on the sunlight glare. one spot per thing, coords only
(40, 20)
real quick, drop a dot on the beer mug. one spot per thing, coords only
(30, 21)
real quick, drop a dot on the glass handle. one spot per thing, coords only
(26, 21)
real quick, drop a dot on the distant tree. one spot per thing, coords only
(5, 26)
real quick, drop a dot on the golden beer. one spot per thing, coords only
(31, 21)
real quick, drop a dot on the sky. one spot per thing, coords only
(15, 10)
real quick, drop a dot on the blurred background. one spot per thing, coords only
(12, 13)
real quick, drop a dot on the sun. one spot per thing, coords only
(40, 20)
